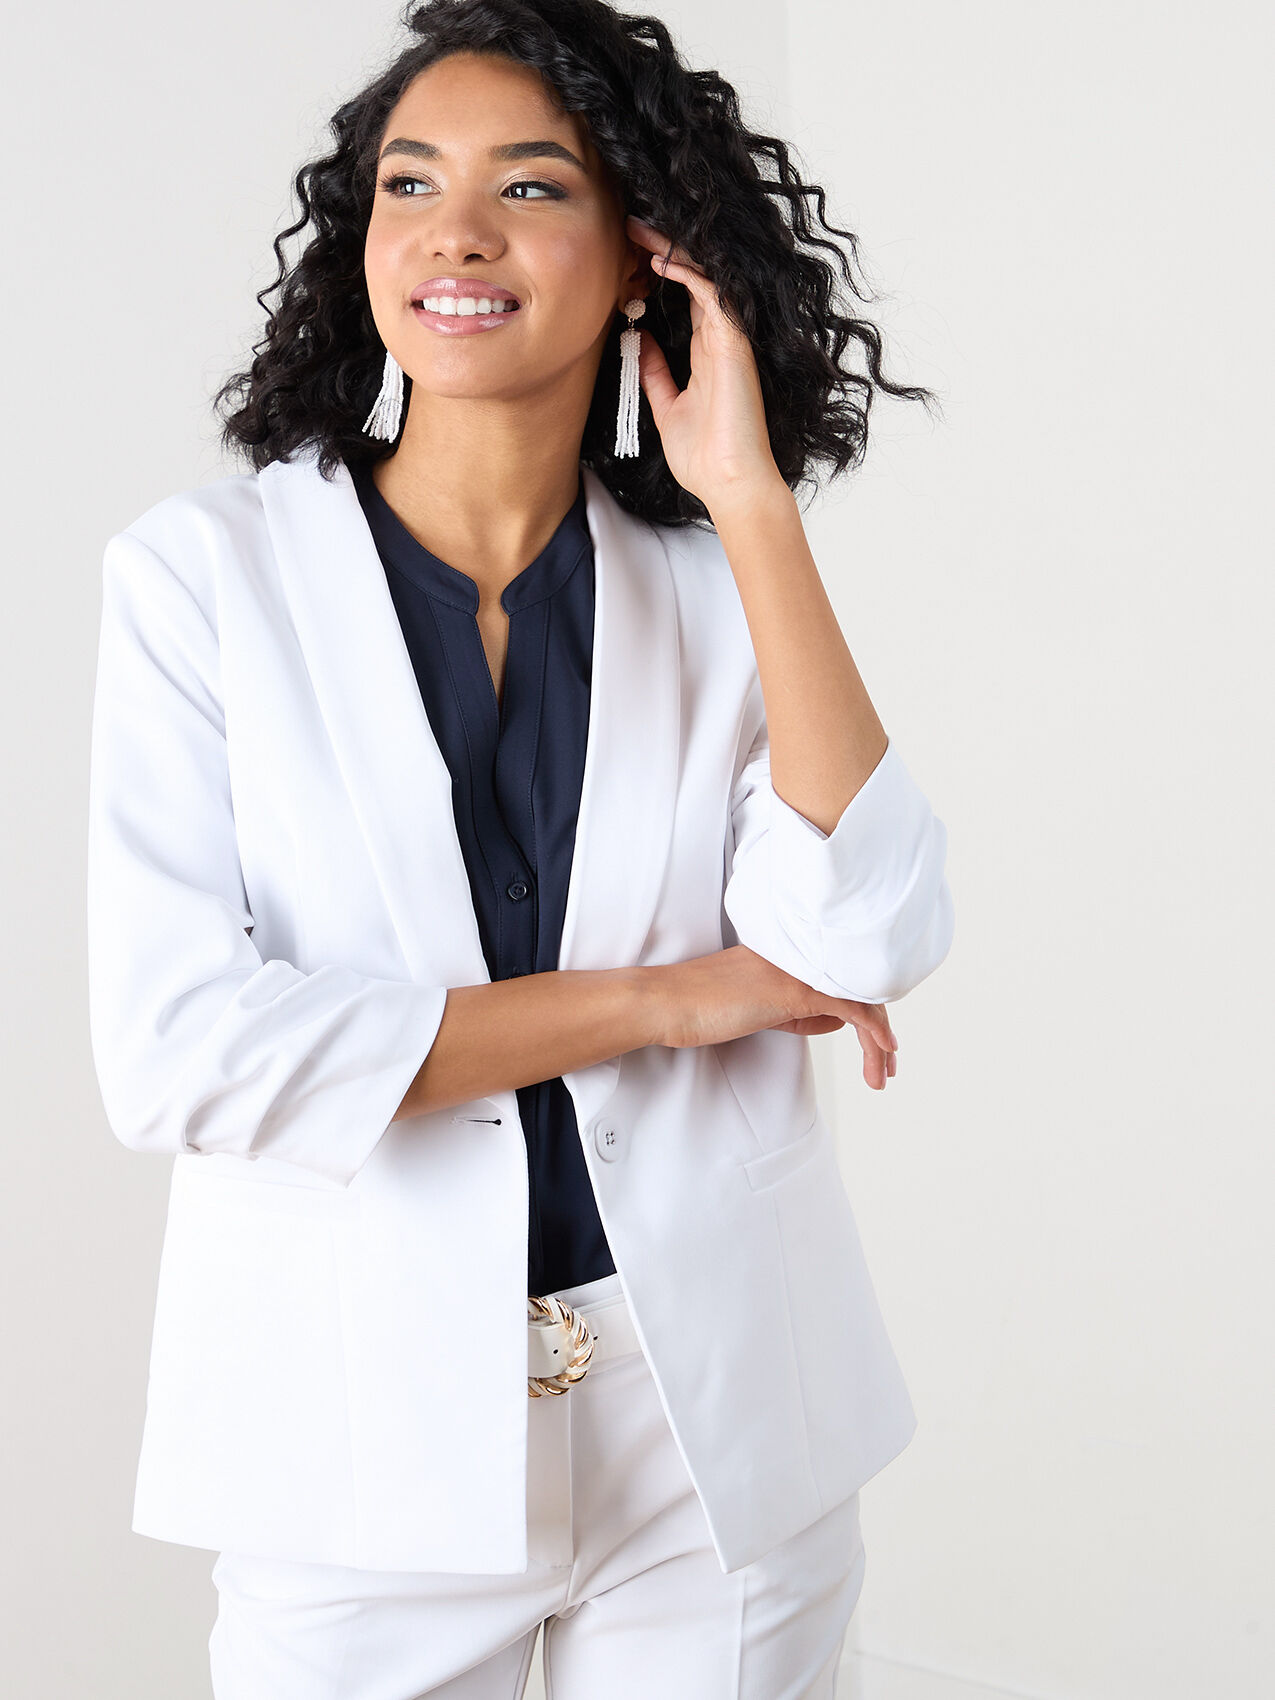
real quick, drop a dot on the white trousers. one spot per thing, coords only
(622, 1574)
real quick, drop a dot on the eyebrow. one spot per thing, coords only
(503, 150)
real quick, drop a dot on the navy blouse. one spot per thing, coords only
(516, 770)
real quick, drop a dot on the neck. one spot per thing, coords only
(481, 484)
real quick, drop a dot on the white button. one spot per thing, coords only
(606, 1137)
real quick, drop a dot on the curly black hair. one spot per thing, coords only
(681, 158)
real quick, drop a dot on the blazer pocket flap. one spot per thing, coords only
(773, 1166)
(235, 1185)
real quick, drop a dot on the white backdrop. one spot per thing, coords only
(1059, 597)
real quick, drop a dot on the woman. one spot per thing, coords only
(485, 811)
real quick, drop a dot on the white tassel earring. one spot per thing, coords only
(387, 414)
(626, 424)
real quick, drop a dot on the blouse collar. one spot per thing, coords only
(540, 578)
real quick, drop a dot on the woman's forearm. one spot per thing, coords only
(509, 1033)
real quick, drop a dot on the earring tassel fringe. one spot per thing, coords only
(626, 424)
(387, 413)
(626, 431)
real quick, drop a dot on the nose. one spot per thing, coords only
(462, 229)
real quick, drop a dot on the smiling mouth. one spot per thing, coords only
(463, 318)
(465, 306)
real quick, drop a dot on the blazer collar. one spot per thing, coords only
(394, 771)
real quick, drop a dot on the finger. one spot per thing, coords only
(875, 1055)
(702, 291)
(668, 260)
(873, 1020)
(656, 240)
(883, 1016)
(661, 386)
(875, 1067)
(809, 1025)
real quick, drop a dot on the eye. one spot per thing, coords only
(394, 185)
(551, 189)
(397, 186)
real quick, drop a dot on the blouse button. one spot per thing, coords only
(517, 890)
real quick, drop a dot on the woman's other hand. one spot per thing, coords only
(707, 1000)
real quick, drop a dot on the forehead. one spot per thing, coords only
(469, 101)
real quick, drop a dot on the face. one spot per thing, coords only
(485, 187)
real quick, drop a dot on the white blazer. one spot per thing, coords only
(277, 904)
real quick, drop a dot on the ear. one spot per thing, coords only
(639, 278)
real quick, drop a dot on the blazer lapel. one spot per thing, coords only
(390, 761)
(632, 759)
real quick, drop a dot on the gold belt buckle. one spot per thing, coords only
(578, 1346)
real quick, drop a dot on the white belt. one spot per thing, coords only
(564, 1343)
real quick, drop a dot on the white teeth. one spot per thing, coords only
(466, 305)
